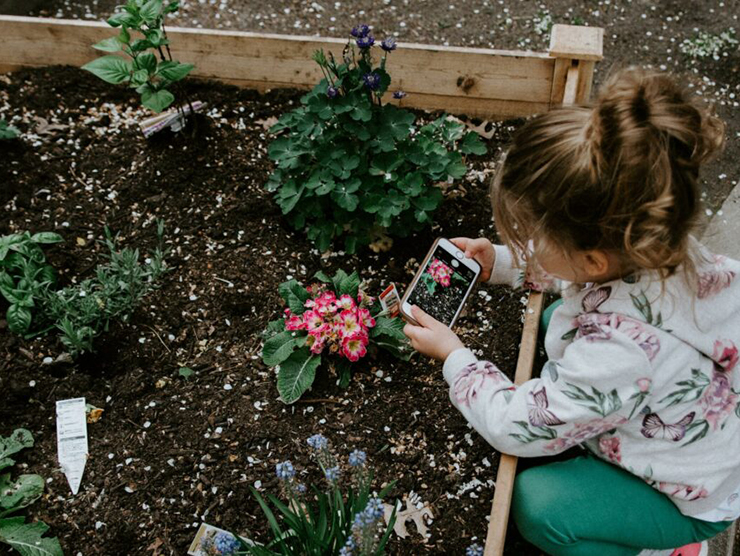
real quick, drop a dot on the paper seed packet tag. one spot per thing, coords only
(390, 301)
(72, 440)
(204, 539)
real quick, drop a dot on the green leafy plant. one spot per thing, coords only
(151, 70)
(7, 131)
(708, 45)
(332, 318)
(344, 519)
(83, 311)
(350, 166)
(25, 277)
(26, 538)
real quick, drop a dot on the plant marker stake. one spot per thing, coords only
(171, 118)
(72, 440)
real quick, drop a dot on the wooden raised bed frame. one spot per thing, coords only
(490, 84)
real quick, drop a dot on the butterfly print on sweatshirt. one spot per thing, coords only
(539, 414)
(654, 427)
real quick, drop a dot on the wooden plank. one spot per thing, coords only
(577, 42)
(271, 61)
(585, 80)
(560, 73)
(507, 464)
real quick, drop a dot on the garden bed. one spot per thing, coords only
(171, 452)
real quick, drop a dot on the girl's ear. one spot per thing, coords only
(597, 263)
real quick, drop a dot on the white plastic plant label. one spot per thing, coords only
(72, 440)
(212, 540)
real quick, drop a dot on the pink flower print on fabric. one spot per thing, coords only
(711, 282)
(473, 379)
(610, 447)
(537, 407)
(644, 384)
(583, 431)
(725, 354)
(718, 401)
(440, 272)
(682, 492)
(598, 326)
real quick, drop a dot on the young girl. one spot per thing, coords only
(601, 201)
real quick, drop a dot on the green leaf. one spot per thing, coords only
(186, 372)
(157, 100)
(27, 538)
(294, 295)
(20, 439)
(111, 44)
(349, 285)
(286, 152)
(146, 61)
(297, 374)
(123, 18)
(344, 197)
(18, 494)
(472, 144)
(46, 237)
(430, 201)
(111, 69)
(151, 11)
(174, 71)
(278, 348)
(289, 195)
(19, 319)
(323, 277)
(456, 168)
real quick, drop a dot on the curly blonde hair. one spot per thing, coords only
(620, 174)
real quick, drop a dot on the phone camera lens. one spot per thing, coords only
(455, 263)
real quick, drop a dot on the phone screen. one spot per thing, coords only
(442, 286)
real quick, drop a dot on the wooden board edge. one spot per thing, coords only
(496, 535)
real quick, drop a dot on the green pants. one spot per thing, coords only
(586, 507)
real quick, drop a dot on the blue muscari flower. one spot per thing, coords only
(399, 94)
(357, 458)
(372, 81)
(365, 42)
(300, 487)
(332, 474)
(226, 543)
(285, 470)
(318, 442)
(388, 44)
(348, 547)
(331, 92)
(361, 31)
(474, 550)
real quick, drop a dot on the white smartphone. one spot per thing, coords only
(442, 284)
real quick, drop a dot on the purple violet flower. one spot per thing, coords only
(388, 44)
(331, 92)
(360, 31)
(365, 42)
(399, 95)
(372, 81)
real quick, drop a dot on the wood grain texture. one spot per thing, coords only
(577, 42)
(476, 81)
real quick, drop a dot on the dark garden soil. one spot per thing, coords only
(636, 32)
(168, 452)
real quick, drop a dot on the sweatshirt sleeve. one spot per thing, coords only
(598, 385)
(510, 269)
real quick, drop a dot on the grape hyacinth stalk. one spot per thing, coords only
(365, 530)
(474, 550)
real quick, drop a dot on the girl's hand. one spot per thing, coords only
(481, 250)
(431, 338)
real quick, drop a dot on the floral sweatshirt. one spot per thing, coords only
(645, 376)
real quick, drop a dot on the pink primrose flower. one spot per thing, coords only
(346, 302)
(295, 323)
(610, 447)
(440, 272)
(349, 324)
(363, 315)
(312, 319)
(315, 342)
(725, 354)
(354, 347)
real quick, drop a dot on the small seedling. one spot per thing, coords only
(186, 372)
(151, 69)
(7, 131)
